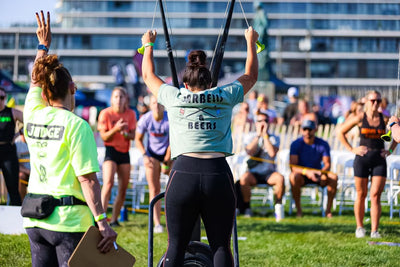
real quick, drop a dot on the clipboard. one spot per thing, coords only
(87, 254)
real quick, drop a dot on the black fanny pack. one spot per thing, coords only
(40, 206)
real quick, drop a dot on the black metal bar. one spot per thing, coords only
(151, 224)
(219, 53)
(168, 45)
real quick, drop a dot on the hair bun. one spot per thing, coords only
(197, 58)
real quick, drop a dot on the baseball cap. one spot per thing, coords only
(262, 112)
(308, 124)
(293, 92)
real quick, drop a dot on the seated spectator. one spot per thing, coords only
(24, 164)
(263, 105)
(252, 101)
(262, 146)
(242, 117)
(291, 109)
(303, 113)
(306, 155)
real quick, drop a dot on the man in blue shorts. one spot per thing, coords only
(310, 162)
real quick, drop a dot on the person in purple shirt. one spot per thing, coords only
(310, 161)
(156, 153)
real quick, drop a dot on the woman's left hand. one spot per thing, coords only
(43, 31)
(149, 37)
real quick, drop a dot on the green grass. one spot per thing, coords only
(307, 241)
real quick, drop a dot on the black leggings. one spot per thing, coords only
(50, 248)
(200, 187)
(10, 168)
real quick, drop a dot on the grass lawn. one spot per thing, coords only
(307, 241)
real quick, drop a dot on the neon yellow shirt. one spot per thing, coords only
(61, 147)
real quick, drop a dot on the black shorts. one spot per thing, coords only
(371, 163)
(160, 158)
(262, 178)
(116, 156)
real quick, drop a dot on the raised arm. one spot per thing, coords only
(152, 81)
(43, 34)
(249, 78)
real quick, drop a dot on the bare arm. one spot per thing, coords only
(139, 142)
(250, 76)
(152, 81)
(18, 115)
(327, 163)
(118, 127)
(91, 191)
(43, 34)
(395, 128)
(271, 149)
(345, 128)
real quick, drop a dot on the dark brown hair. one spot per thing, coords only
(52, 76)
(196, 72)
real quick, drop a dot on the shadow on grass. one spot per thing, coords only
(315, 223)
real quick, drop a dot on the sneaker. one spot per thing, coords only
(360, 232)
(158, 229)
(248, 213)
(115, 224)
(375, 234)
(279, 213)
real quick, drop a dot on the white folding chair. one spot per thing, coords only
(394, 185)
(311, 195)
(346, 186)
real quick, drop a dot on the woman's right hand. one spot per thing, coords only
(360, 150)
(43, 31)
(121, 125)
(251, 35)
(109, 237)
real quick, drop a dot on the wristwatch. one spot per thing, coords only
(42, 47)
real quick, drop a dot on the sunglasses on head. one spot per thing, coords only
(376, 100)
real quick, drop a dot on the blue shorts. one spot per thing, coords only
(116, 156)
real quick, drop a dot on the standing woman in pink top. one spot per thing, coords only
(117, 127)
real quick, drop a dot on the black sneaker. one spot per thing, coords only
(115, 224)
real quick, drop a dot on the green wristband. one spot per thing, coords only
(391, 151)
(100, 217)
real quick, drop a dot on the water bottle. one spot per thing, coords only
(123, 214)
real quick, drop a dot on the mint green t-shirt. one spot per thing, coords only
(201, 121)
(61, 147)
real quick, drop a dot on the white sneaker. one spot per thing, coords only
(248, 213)
(360, 232)
(279, 212)
(158, 229)
(375, 234)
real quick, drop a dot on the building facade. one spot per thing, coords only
(320, 45)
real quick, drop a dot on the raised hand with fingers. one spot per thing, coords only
(43, 31)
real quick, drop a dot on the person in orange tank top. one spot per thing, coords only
(117, 126)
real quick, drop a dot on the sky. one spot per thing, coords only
(12, 11)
